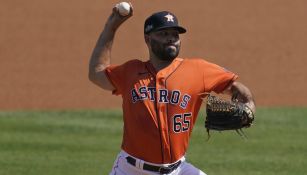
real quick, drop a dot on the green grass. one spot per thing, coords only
(87, 142)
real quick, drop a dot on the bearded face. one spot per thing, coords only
(165, 44)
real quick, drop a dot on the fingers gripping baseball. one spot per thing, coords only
(119, 15)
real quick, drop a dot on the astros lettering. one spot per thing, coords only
(164, 96)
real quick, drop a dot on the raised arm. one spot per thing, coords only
(240, 92)
(101, 55)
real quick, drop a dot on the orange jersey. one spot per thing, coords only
(160, 108)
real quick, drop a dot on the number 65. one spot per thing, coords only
(181, 122)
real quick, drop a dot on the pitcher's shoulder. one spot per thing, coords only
(133, 62)
(195, 61)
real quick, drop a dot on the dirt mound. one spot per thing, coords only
(46, 45)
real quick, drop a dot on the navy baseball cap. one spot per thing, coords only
(162, 20)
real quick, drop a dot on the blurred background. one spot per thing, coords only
(45, 47)
(53, 120)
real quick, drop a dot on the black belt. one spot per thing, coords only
(159, 169)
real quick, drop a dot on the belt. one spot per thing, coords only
(159, 169)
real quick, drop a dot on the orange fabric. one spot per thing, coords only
(160, 108)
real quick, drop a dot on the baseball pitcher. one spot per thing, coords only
(161, 97)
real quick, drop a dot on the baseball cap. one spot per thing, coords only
(162, 20)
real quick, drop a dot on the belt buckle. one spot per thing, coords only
(165, 170)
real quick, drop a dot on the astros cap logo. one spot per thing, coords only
(169, 17)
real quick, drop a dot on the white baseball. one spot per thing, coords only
(123, 8)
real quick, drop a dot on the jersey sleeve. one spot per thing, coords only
(121, 75)
(216, 78)
(116, 75)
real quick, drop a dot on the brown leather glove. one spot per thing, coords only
(227, 115)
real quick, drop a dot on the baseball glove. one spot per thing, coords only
(227, 115)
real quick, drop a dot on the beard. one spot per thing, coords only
(165, 51)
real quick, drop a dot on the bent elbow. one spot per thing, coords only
(92, 77)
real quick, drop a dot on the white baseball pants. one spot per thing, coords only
(122, 167)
